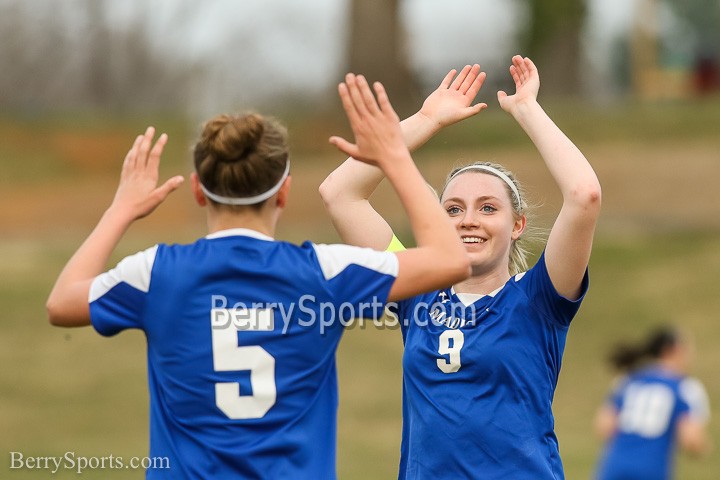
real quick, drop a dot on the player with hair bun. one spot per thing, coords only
(654, 407)
(241, 364)
(482, 358)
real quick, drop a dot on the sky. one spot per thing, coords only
(252, 47)
(303, 42)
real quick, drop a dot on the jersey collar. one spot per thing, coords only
(245, 232)
(470, 298)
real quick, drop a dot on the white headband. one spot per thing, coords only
(496, 172)
(248, 200)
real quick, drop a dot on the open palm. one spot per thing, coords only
(138, 193)
(452, 101)
(527, 84)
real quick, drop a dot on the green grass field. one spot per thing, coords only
(656, 259)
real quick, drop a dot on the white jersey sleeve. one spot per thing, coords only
(117, 296)
(693, 393)
(357, 276)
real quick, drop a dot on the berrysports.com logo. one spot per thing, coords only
(70, 461)
(308, 312)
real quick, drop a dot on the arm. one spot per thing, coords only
(346, 191)
(692, 426)
(439, 259)
(568, 248)
(693, 436)
(137, 196)
(606, 422)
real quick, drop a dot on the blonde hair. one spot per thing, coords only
(241, 155)
(520, 247)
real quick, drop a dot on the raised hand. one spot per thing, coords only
(452, 101)
(138, 193)
(527, 84)
(375, 125)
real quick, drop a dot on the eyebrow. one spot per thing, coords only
(484, 198)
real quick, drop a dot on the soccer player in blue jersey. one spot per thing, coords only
(482, 358)
(242, 329)
(654, 407)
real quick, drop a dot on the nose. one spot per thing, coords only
(470, 219)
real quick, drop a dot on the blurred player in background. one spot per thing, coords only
(241, 360)
(482, 359)
(654, 407)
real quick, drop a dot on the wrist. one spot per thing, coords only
(119, 214)
(397, 164)
(429, 124)
(525, 108)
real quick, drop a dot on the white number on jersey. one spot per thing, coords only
(450, 343)
(229, 356)
(647, 410)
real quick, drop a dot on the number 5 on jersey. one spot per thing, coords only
(450, 343)
(228, 356)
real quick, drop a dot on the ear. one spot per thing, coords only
(283, 193)
(519, 227)
(196, 190)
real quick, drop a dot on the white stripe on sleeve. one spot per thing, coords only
(336, 258)
(694, 394)
(133, 270)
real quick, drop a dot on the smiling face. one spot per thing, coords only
(480, 207)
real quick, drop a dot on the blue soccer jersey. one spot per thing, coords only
(241, 337)
(649, 403)
(479, 378)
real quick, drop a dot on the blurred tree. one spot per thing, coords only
(76, 54)
(376, 49)
(98, 72)
(552, 40)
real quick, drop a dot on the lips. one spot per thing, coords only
(469, 239)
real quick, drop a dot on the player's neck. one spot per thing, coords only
(483, 284)
(223, 220)
(672, 364)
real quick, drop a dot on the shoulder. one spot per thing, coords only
(134, 270)
(335, 259)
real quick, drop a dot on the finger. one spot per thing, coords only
(144, 147)
(383, 100)
(352, 84)
(530, 65)
(501, 95)
(477, 108)
(349, 149)
(515, 76)
(130, 157)
(476, 85)
(367, 94)
(472, 75)
(168, 187)
(460, 77)
(519, 64)
(348, 104)
(448, 79)
(156, 152)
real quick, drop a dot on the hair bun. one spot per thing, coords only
(233, 138)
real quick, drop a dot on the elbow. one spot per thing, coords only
(60, 316)
(697, 447)
(54, 313)
(328, 191)
(588, 197)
